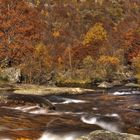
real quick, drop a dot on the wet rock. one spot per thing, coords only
(44, 90)
(132, 85)
(12, 74)
(17, 99)
(96, 81)
(116, 83)
(105, 85)
(135, 107)
(131, 79)
(107, 135)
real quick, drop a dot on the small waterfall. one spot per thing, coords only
(100, 121)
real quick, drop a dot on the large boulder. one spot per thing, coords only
(12, 74)
(105, 85)
(133, 85)
(117, 83)
(131, 79)
(107, 135)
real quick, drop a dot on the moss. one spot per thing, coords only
(107, 135)
(3, 79)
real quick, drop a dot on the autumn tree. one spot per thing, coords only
(95, 38)
(108, 66)
(37, 67)
(88, 64)
(131, 44)
(136, 65)
(96, 34)
(20, 29)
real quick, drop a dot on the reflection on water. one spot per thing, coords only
(75, 115)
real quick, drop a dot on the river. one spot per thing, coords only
(75, 115)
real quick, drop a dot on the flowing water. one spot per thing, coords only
(75, 115)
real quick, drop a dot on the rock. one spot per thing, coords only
(135, 107)
(97, 81)
(105, 85)
(17, 99)
(132, 85)
(116, 83)
(107, 135)
(131, 79)
(44, 90)
(13, 75)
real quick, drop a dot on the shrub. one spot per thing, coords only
(136, 65)
(108, 66)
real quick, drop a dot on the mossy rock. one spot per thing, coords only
(107, 135)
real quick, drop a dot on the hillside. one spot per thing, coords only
(70, 41)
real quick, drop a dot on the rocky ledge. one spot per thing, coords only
(41, 90)
(8, 99)
(107, 135)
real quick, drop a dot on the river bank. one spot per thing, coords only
(56, 90)
(41, 90)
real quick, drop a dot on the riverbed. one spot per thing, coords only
(75, 115)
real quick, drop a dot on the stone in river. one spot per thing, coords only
(107, 135)
(18, 99)
(135, 107)
(105, 85)
(132, 85)
(12, 74)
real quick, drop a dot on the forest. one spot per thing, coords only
(70, 41)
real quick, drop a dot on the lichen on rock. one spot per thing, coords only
(107, 135)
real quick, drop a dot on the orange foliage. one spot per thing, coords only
(96, 34)
(132, 45)
(23, 139)
(108, 60)
(19, 29)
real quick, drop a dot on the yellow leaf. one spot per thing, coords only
(56, 33)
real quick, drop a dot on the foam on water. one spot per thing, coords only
(105, 125)
(121, 93)
(126, 92)
(113, 115)
(43, 111)
(92, 120)
(94, 108)
(40, 111)
(30, 109)
(68, 101)
(50, 136)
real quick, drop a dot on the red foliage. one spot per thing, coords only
(19, 29)
(132, 44)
